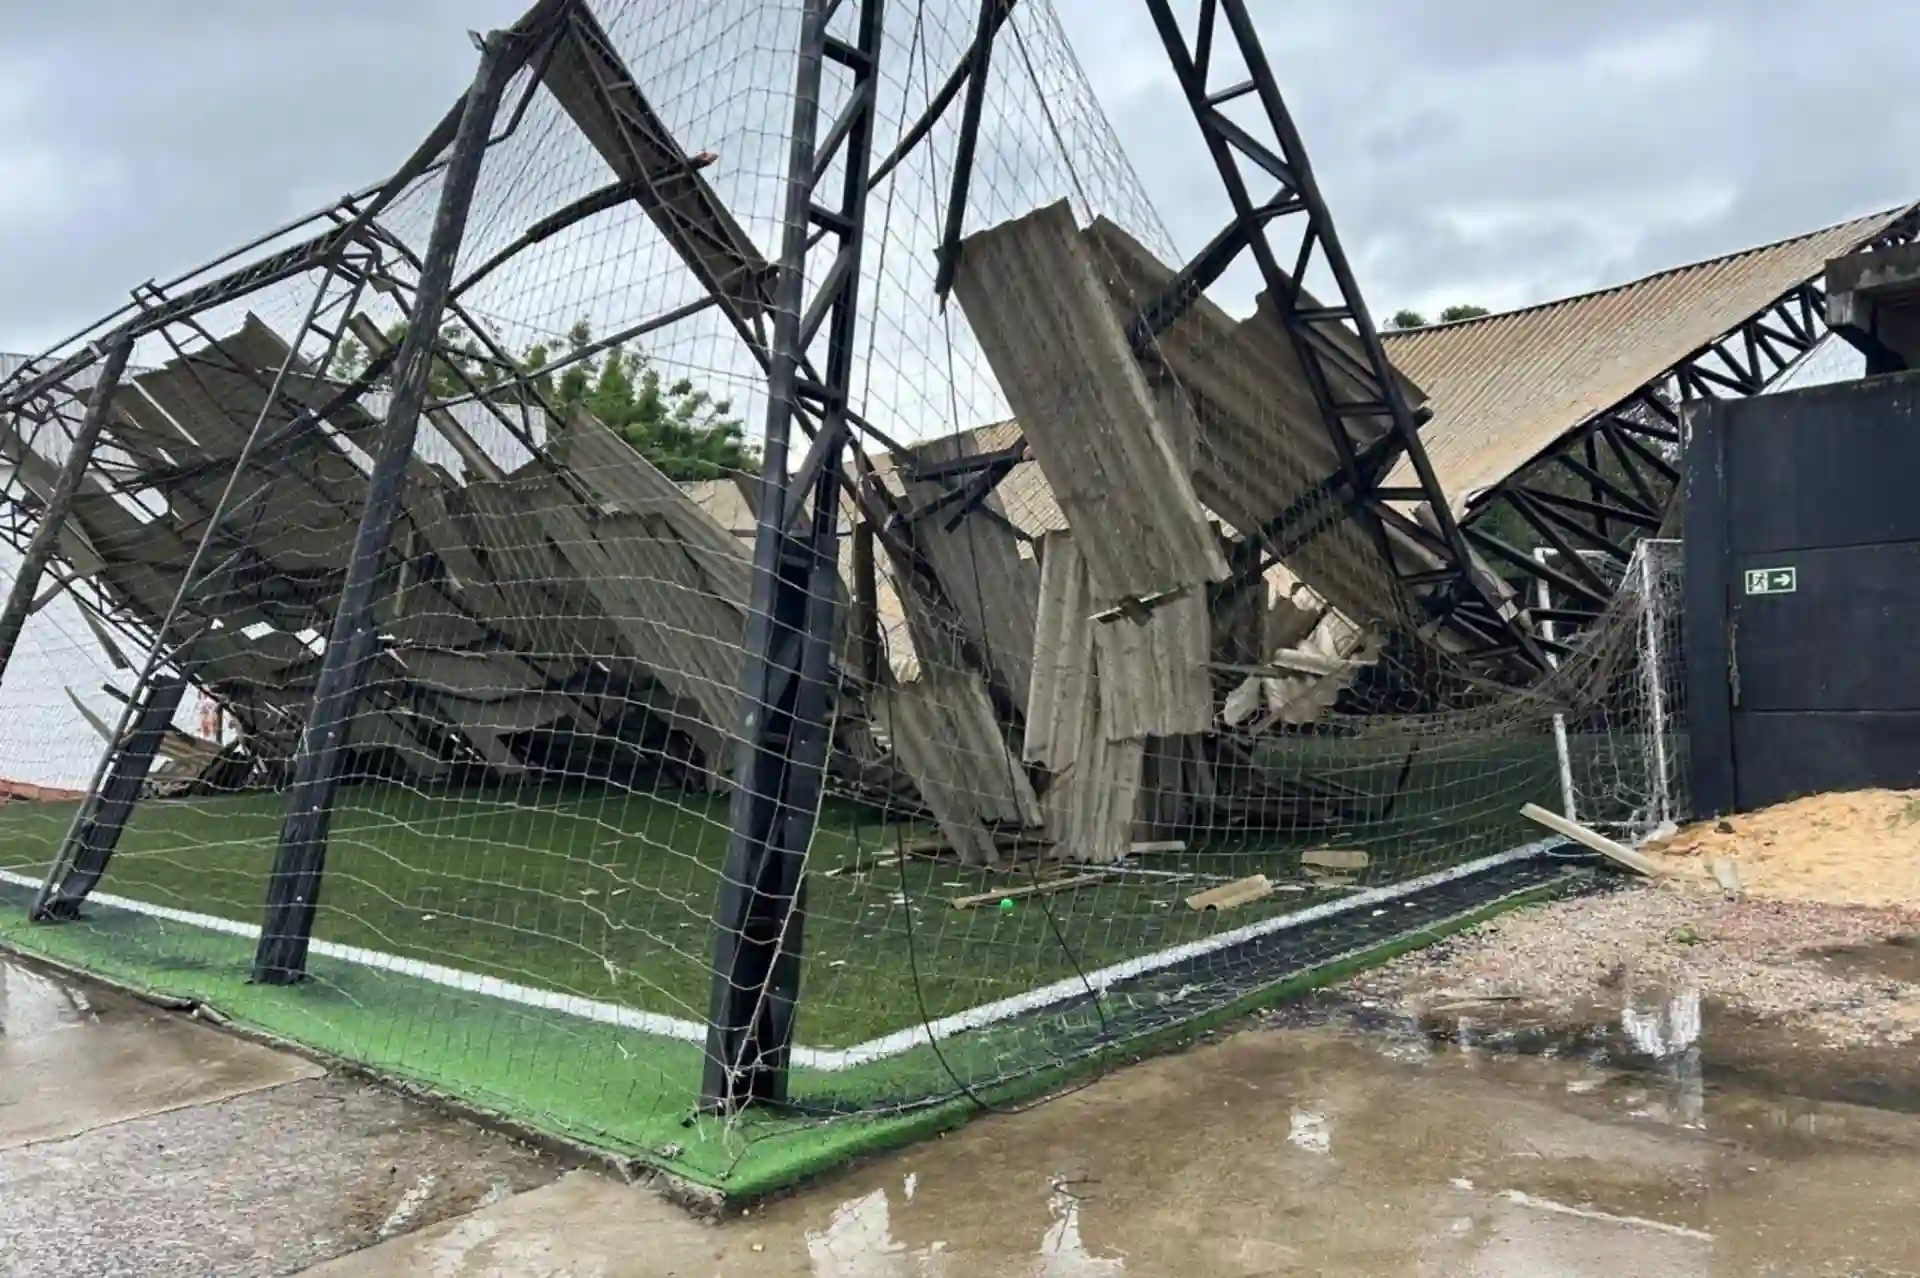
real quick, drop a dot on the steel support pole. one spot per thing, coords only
(293, 891)
(46, 538)
(109, 805)
(785, 725)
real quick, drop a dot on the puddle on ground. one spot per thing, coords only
(34, 1003)
(1897, 958)
(74, 1058)
(1394, 1148)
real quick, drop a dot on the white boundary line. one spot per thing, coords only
(829, 1059)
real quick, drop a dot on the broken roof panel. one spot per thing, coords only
(588, 78)
(1505, 387)
(1260, 441)
(1034, 296)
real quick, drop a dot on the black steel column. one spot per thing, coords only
(46, 538)
(784, 728)
(94, 836)
(294, 888)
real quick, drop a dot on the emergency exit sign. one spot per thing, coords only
(1772, 581)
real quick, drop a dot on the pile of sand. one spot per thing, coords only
(1861, 848)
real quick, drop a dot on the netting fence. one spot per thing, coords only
(1066, 690)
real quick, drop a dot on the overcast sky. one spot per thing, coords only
(1493, 151)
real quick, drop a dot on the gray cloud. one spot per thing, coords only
(1506, 152)
(1501, 151)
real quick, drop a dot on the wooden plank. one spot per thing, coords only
(1335, 858)
(1043, 888)
(1619, 854)
(1228, 895)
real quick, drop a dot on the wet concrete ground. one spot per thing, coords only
(136, 1141)
(1312, 1148)
(1329, 1140)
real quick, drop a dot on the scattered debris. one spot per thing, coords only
(1161, 845)
(1042, 888)
(1335, 858)
(1781, 961)
(1618, 853)
(1229, 895)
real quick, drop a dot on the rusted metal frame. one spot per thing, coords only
(299, 863)
(758, 918)
(1381, 393)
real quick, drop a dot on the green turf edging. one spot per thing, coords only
(622, 1091)
(796, 1161)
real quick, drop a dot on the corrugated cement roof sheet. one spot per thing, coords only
(1505, 387)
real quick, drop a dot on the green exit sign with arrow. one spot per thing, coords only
(1772, 581)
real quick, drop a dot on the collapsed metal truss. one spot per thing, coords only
(1453, 594)
(1619, 464)
(1613, 479)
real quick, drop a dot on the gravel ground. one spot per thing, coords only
(1850, 975)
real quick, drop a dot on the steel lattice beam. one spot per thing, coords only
(1322, 336)
(1613, 478)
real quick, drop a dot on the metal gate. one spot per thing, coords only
(1803, 593)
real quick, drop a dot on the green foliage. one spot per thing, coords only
(1403, 320)
(678, 427)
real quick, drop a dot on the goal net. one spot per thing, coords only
(1121, 719)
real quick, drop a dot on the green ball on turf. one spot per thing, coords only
(1006, 905)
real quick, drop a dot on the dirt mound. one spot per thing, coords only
(1860, 848)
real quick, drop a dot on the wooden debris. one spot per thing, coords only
(1617, 853)
(1335, 858)
(1042, 888)
(1228, 895)
(1162, 845)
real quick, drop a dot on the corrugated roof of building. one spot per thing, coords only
(1505, 387)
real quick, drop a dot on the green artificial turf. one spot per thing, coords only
(620, 1090)
(608, 894)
